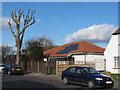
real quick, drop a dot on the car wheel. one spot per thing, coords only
(3, 72)
(9, 72)
(91, 84)
(65, 81)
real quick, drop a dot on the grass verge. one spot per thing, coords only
(115, 76)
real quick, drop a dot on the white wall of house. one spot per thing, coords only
(112, 51)
(98, 60)
(95, 57)
(119, 45)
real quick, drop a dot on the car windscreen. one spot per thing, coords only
(90, 70)
(15, 65)
(2, 65)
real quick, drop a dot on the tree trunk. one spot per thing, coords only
(18, 52)
(18, 57)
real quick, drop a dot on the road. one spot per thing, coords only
(24, 81)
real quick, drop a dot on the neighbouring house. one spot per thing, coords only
(112, 53)
(80, 52)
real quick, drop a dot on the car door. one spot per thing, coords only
(71, 74)
(80, 76)
(7, 68)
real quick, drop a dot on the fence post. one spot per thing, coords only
(38, 66)
(31, 66)
(57, 66)
(21, 64)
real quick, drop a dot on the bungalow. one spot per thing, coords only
(112, 53)
(81, 51)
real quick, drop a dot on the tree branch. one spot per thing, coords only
(23, 29)
(12, 16)
(12, 31)
(19, 17)
(32, 13)
(15, 16)
(27, 20)
(30, 24)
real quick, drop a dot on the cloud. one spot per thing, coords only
(7, 45)
(93, 34)
(4, 23)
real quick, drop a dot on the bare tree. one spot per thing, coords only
(45, 43)
(28, 21)
(6, 51)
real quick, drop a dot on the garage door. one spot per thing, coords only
(100, 64)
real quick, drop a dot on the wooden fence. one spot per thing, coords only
(62, 65)
(36, 66)
(39, 66)
(57, 66)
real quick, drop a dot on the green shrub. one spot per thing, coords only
(115, 76)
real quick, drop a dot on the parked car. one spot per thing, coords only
(86, 76)
(1, 67)
(12, 69)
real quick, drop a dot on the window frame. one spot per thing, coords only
(71, 68)
(117, 62)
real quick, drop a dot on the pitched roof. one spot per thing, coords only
(81, 46)
(116, 32)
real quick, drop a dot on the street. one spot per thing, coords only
(26, 81)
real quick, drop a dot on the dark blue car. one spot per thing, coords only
(12, 69)
(86, 76)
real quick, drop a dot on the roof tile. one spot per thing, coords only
(83, 46)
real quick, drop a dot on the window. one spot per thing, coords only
(90, 70)
(72, 70)
(78, 71)
(117, 62)
(86, 70)
(8, 66)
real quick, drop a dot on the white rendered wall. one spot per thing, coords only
(119, 45)
(93, 58)
(111, 52)
(78, 58)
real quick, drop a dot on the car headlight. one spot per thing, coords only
(99, 79)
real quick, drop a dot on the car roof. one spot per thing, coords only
(11, 64)
(2, 64)
(79, 67)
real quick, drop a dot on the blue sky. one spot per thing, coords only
(65, 22)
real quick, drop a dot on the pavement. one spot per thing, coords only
(58, 78)
(40, 75)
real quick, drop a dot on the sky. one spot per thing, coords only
(65, 22)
